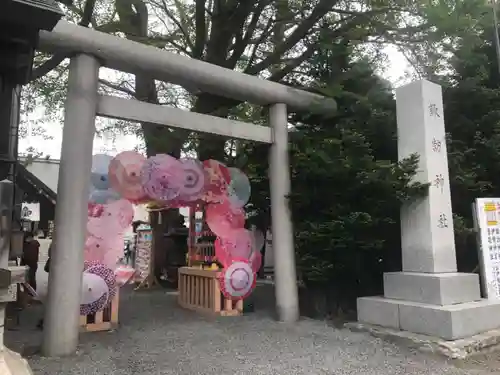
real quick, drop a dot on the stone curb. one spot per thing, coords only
(459, 349)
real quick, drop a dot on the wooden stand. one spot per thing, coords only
(104, 320)
(199, 291)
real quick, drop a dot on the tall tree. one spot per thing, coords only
(347, 186)
(472, 115)
(242, 35)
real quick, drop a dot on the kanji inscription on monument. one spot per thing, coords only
(436, 145)
(427, 224)
(434, 110)
(439, 182)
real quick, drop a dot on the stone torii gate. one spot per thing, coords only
(91, 50)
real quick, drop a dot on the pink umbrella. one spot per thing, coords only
(195, 178)
(223, 218)
(162, 177)
(238, 280)
(237, 244)
(218, 180)
(115, 218)
(221, 253)
(95, 209)
(106, 251)
(122, 211)
(93, 250)
(125, 175)
(112, 250)
(98, 227)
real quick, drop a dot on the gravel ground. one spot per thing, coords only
(156, 337)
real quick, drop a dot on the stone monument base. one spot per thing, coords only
(444, 305)
(433, 288)
(12, 363)
(450, 322)
(457, 349)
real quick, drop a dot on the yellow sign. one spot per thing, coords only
(490, 210)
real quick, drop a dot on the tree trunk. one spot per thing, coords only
(134, 18)
(212, 146)
(159, 139)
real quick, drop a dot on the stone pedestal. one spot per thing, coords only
(12, 363)
(429, 297)
(435, 288)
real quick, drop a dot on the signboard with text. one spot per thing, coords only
(30, 211)
(487, 223)
(143, 249)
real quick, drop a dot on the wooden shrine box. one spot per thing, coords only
(199, 291)
(104, 320)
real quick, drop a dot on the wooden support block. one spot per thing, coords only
(12, 275)
(8, 294)
(4, 278)
(9, 279)
(104, 320)
(199, 290)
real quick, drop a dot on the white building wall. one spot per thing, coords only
(45, 170)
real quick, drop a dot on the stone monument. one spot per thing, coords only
(429, 296)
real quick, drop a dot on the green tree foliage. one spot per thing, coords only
(271, 39)
(345, 205)
(347, 186)
(472, 115)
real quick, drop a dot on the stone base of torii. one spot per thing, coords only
(429, 296)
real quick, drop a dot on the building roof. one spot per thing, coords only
(32, 185)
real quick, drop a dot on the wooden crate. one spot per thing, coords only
(104, 320)
(199, 291)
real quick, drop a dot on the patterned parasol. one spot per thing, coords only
(223, 218)
(195, 178)
(162, 177)
(238, 280)
(125, 175)
(108, 276)
(218, 180)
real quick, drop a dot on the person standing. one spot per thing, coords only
(46, 268)
(31, 251)
(128, 251)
